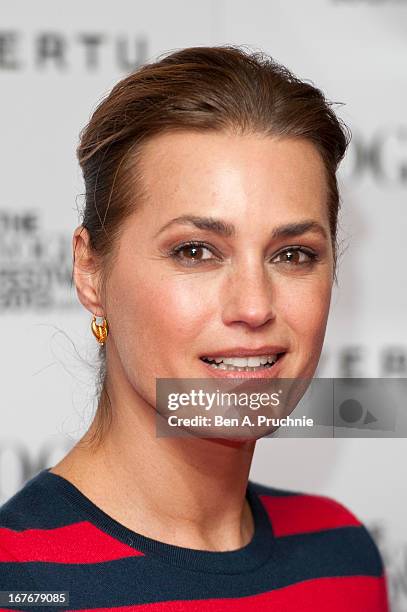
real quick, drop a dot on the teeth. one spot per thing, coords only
(240, 364)
(243, 362)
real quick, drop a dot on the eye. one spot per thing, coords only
(297, 256)
(192, 253)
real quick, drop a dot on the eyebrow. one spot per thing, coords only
(289, 230)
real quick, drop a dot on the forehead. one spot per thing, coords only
(223, 172)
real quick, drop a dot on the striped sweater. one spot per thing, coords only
(308, 553)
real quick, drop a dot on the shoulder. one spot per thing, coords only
(38, 527)
(294, 510)
(35, 505)
(328, 543)
(19, 515)
(302, 514)
(33, 510)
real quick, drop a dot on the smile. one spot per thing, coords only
(253, 363)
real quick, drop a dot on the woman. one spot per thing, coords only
(207, 249)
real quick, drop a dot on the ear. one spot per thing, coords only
(85, 273)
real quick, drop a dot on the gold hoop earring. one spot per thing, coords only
(100, 328)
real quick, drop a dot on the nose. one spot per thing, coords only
(248, 297)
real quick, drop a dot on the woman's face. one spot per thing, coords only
(256, 279)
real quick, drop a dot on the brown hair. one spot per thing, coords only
(222, 88)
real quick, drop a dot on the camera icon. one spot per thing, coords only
(365, 404)
(351, 411)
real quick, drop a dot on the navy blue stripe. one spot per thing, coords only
(37, 506)
(272, 491)
(346, 551)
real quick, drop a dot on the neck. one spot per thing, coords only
(186, 491)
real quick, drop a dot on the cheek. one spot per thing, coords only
(305, 310)
(171, 311)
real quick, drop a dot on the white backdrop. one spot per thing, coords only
(57, 59)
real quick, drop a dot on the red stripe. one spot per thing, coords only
(291, 514)
(353, 594)
(80, 542)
